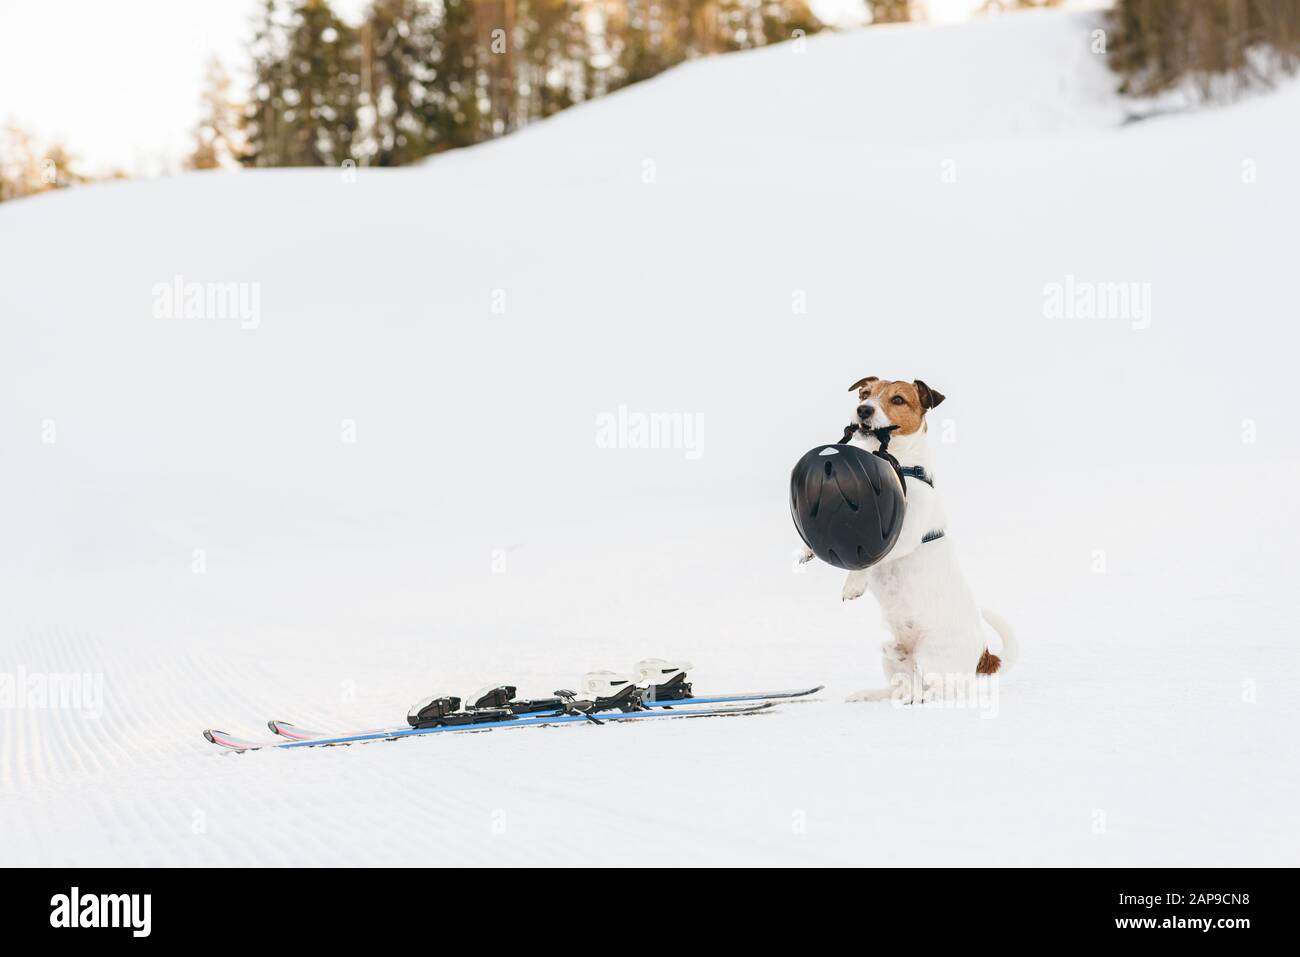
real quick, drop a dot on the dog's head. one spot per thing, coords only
(882, 403)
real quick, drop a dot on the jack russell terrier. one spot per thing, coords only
(937, 628)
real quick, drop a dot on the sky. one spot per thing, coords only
(119, 83)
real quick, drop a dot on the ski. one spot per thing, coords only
(292, 732)
(232, 743)
(656, 688)
(661, 683)
(738, 696)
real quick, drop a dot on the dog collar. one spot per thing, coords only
(918, 472)
(912, 471)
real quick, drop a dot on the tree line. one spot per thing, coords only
(416, 77)
(27, 168)
(1156, 45)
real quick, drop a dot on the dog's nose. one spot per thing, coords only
(865, 412)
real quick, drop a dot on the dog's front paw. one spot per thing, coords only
(855, 586)
(803, 555)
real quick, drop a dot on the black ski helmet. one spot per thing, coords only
(847, 504)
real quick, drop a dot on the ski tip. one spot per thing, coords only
(229, 741)
(283, 729)
(222, 739)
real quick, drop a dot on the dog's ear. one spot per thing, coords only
(861, 382)
(929, 397)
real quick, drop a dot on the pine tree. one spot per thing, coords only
(399, 54)
(496, 45)
(891, 11)
(321, 102)
(644, 48)
(264, 131)
(457, 89)
(555, 51)
(1158, 44)
(781, 20)
(420, 76)
(303, 108)
(216, 138)
(26, 169)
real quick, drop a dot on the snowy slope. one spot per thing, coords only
(918, 187)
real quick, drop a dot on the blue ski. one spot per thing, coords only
(293, 732)
(230, 742)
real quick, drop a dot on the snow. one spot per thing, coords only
(185, 522)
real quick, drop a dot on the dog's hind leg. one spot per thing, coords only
(900, 670)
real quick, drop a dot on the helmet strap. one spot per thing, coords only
(882, 436)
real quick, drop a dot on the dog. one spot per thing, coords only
(936, 626)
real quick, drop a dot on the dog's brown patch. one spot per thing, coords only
(989, 664)
(901, 404)
(929, 397)
(904, 403)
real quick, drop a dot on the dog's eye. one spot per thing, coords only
(898, 400)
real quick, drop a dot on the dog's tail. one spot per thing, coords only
(1010, 651)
